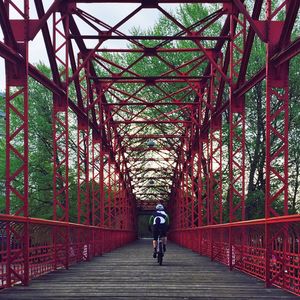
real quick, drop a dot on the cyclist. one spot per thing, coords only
(159, 223)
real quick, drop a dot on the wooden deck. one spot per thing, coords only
(131, 273)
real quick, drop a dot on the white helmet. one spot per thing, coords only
(159, 207)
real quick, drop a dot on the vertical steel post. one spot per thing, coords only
(202, 187)
(205, 110)
(61, 138)
(109, 197)
(96, 191)
(277, 119)
(187, 208)
(192, 177)
(237, 122)
(237, 128)
(215, 150)
(83, 172)
(114, 194)
(17, 147)
(101, 169)
(200, 192)
(182, 197)
(83, 145)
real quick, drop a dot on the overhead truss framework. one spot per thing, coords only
(150, 114)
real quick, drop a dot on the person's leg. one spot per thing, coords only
(164, 239)
(154, 242)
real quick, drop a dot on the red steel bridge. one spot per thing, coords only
(146, 136)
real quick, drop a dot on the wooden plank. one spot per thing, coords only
(131, 273)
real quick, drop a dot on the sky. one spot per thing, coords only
(108, 13)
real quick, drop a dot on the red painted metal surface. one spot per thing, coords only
(83, 153)
(280, 267)
(147, 136)
(46, 254)
(60, 131)
(237, 122)
(277, 108)
(17, 263)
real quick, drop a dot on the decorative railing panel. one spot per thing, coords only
(249, 245)
(45, 255)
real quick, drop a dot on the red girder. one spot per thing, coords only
(17, 145)
(151, 104)
(190, 36)
(153, 122)
(83, 146)
(150, 3)
(237, 123)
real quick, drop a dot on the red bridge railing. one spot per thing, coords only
(47, 248)
(268, 249)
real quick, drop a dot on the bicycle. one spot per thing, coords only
(159, 250)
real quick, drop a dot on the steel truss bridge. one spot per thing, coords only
(146, 134)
